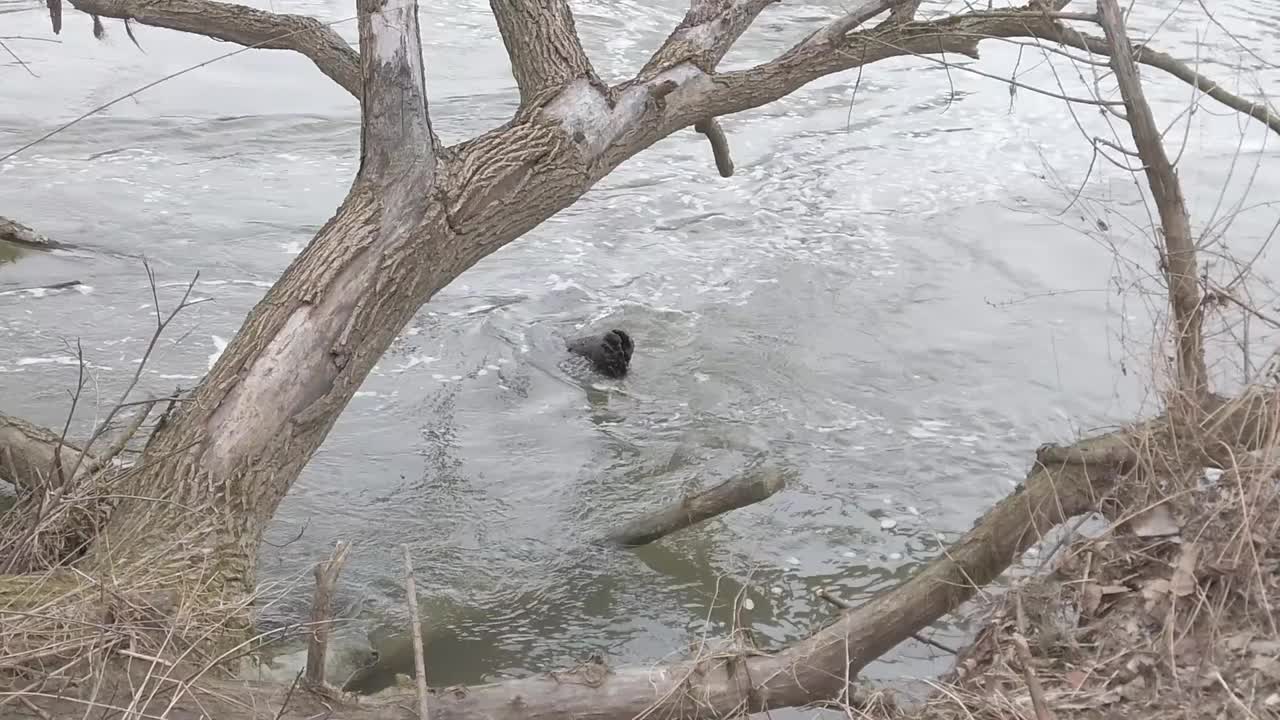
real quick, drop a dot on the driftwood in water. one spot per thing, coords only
(19, 234)
(693, 509)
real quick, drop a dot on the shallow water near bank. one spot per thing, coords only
(894, 299)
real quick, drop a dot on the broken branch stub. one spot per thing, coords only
(326, 575)
(395, 127)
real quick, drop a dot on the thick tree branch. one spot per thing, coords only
(702, 38)
(543, 45)
(706, 33)
(244, 25)
(395, 130)
(812, 58)
(1179, 263)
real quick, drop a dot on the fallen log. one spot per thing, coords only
(19, 234)
(693, 509)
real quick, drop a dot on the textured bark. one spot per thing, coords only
(232, 452)
(543, 45)
(1179, 262)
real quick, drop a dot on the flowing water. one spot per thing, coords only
(894, 300)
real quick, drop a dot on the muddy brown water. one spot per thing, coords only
(894, 299)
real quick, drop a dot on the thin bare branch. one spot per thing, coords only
(1145, 55)
(1179, 263)
(243, 25)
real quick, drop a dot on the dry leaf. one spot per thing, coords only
(1076, 679)
(1154, 592)
(1155, 589)
(1156, 522)
(1183, 582)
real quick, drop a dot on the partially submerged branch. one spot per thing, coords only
(1179, 262)
(19, 234)
(688, 511)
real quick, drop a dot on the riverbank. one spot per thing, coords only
(1170, 612)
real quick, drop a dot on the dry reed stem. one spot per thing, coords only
(419, 659)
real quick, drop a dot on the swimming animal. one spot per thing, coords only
(610, 353)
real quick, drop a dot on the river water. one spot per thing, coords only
(894, 300)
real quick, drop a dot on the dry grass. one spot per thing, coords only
(1171, 612)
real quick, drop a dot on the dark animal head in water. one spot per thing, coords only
(609, 353)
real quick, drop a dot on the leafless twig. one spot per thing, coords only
(419, 660)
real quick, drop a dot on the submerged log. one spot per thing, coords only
(693, 509)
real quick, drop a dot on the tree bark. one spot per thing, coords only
(543, 46)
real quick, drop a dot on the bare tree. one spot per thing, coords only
(184, 524)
